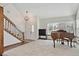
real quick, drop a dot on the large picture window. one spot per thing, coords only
(67, 26)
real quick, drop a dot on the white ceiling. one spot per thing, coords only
(46, 10)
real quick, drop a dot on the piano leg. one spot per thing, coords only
(62, 42)
(71, 43)
(68, 42)
(54, 43)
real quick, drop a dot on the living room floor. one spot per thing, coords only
(43, 48)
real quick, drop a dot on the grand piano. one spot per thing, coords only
(61, 35)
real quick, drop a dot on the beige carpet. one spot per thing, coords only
(42, 48)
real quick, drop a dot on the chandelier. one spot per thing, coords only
(26, 18)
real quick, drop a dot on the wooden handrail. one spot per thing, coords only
(9, 20)
(12, 29)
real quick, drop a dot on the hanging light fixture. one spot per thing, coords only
(26, 17)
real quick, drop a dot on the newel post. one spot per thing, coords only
(1, 31)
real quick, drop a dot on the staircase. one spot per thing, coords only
(11, 28)
(7, 25)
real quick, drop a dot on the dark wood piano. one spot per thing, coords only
(61, 35)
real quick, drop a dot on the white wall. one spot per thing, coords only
(32, 32)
